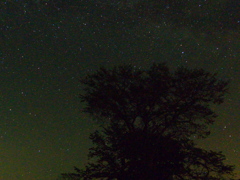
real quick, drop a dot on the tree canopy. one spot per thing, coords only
(149, 120)
(155, 99)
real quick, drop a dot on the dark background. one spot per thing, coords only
(45, 46)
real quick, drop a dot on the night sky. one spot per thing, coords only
(46, 46)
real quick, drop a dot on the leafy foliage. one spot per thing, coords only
(164, 102)
(149, 118)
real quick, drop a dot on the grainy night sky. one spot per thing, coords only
(45, 46)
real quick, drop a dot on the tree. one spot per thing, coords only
(149, 118)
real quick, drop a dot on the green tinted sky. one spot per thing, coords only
(46, 47)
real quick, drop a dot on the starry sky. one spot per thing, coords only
(47, 45)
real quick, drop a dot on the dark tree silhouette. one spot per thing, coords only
(149, 118)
